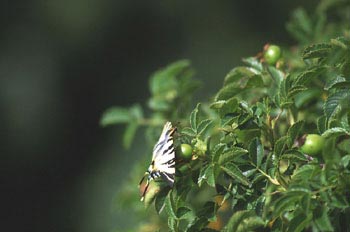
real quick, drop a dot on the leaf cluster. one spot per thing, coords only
(247, 170)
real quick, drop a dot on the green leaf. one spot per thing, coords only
(194, 118)
(317, 51)
(245, 220)
(306, 76)
(183, 212)
(321, 219)
(217, 151)
(203, 126)
(341, 42)
(188, 131)
(115, 115)
(294, 131)
(345, 161)
(286, 203)
(322, 124)
(207, 175)
(228, 91)
(299, 222)
(256, 151)
(231, 154)
(217, 104)
(335, 132)
(238, 74)
(233, 171)
(230, 106)
(339, 201)
(164, 80)
(337, 103)
(281, 145)
(160, 199)
(197, 225)
(129, 134)
(300, 26)
(208, 210)
(172, 224)
(170, 206)
(254, 63)
(336, 79)
(294, 155)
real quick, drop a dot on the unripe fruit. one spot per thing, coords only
(313, 144)
(272, 54)
(185, 151)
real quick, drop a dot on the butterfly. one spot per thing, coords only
(163, 159)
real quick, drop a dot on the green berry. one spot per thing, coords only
(272, 54)
(313, 144)
(185, 151)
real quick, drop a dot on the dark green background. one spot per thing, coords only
(63, 62)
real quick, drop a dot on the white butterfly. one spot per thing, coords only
(163, 159)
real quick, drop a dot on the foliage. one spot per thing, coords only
(247, 170)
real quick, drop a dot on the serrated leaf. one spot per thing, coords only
(115, 115)
(172, 224)
(335, 132)
(305, 76)
(256, 152)
(255, 81)
(233, 171)
(208, 210)
(345, 161)
(228, 91)
(160, 199)
(231, 154)
(277, 75)
(203, 126)
(294, 155)
(336, 103)
(295, 90)
(299, 222)
(254, 63)
(207, 175)
(217, 151)
(188, 131)
(170, 206)
(197, 225)
(285, 203)
(217, 104)
(230, 106)
(164, 80)
(336, 79)
(245, 220)
(194, 118)
(321, 219)
(341, 42)
(322, 124)
(294, 131)
(339, 200)
(281, 145)
(307, 96)
(129, 134)
(237, 74)
(317, 51)
(183, 212)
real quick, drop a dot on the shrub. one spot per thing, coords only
(247, 170)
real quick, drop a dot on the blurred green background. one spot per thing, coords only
(62, 63)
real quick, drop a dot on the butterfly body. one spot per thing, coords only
(163, 158)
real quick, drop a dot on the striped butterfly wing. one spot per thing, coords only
(163, 158)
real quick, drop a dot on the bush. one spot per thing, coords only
(247, 170)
